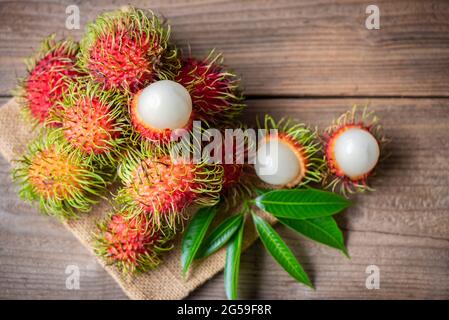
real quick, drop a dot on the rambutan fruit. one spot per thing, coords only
(215, 92)
(163, 188)
(288, 155)
(62, 182)
(126, 50)
(50, 72)
(232, 173)
(159, 109)
(130, 244)
(238, 175)
(353, 145)
(93, 121)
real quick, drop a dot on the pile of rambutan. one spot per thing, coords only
(105, 109)
(114, 107)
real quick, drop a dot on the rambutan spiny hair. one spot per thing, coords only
(162, 189)
(305, 143)
(238, 174)
(62, 183)
(366, 120)
(93, 121)
(215, 91)
(130, 244)
(50, 72)
(127, 49)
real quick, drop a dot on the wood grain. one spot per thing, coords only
(280, 47)
(403, 227)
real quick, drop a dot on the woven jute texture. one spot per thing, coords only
(164, 282)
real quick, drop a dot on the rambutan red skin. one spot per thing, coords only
(150, 133)
(127, 239)
(231, 174)
(89, 127)
(211, 88)
(47, 82)
(161, 186)
(121, 61)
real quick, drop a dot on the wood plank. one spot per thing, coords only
(403, 227)
(410, 268)
(280, 47)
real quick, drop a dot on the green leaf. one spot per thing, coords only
(232, 265)
(219, 236)
(280, 251)
(301, 204)
(323, 230)
(194, 235)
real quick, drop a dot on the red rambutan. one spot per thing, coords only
(50, 72)
(93, 121)
(232, 174)
(215, 91)
(161, 188)
(232, 154)
(128, 49)
(353, 146)
(131, 244)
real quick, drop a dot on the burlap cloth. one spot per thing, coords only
(164, 282)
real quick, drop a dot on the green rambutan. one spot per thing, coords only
(62, 182)
(127, 49)
(131, 244)
(50, 72)
(163, 188)
(353, 147)
(289, 156)
(93, 121)
(215, 92)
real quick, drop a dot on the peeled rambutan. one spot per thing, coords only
(62, 182)
(161, 108)
(215, 92)
(163, 188)
(353, 145)
(93, 121)
(131, 244)
(126, 50)
(289, 156)
(50, 72)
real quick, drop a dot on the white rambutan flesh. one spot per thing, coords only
(165, 104)
(277, 162)
(356, 152)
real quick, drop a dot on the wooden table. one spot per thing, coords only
(308, 59)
